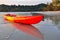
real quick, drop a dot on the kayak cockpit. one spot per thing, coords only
(12, 15)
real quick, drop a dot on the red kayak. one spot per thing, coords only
(24, 19)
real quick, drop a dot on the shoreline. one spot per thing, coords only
(53, 11)
(31, 11)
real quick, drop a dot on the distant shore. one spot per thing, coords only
(52, 11)
(30, 11)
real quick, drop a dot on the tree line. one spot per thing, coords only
(25, 8)
(15, 8)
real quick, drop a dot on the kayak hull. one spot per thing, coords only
(25, 19)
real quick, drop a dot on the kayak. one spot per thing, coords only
(24, 19)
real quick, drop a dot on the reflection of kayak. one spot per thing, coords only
(29, 29)
(24, 19)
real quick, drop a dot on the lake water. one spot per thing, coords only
(49, 29)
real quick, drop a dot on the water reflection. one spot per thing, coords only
(36, 13)
(29, 29)
(55, 19)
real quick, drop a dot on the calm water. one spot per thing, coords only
(49, 29)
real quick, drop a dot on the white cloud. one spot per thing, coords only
(23, 2)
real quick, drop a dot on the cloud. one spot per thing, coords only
(23, 2)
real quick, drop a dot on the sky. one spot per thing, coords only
(23, 2)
